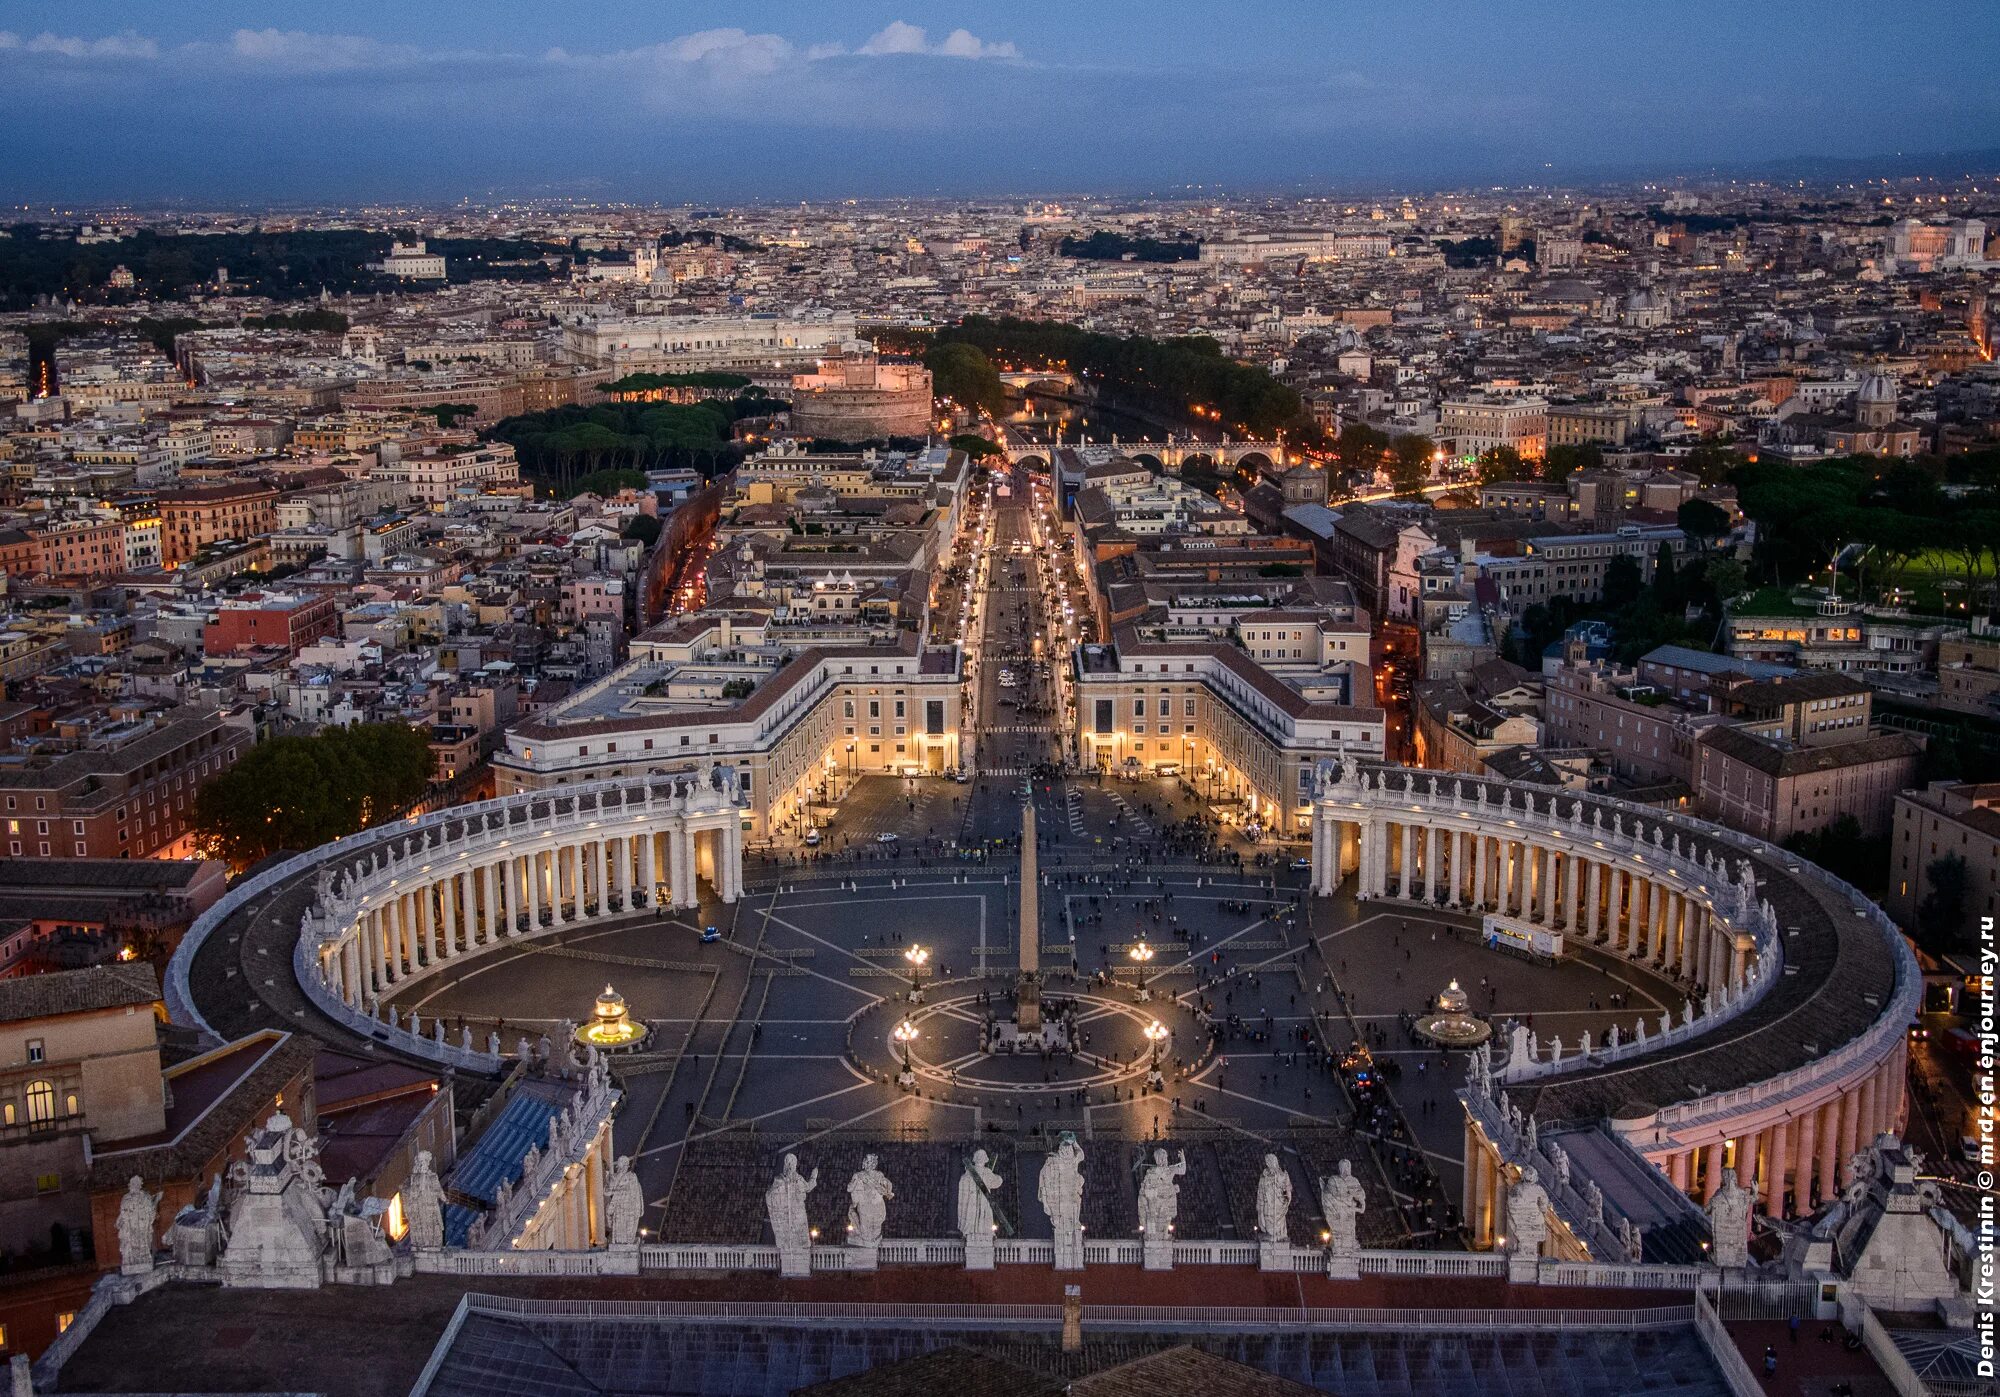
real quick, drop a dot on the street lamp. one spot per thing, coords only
(1142, 956)
(1156, 1035)
(916, 956)
(905, 1033)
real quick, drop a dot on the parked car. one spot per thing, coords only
(711, 933)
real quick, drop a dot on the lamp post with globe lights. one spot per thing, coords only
(905, 1033)
(1156, 1035)
(917, 956)
(1142, 956)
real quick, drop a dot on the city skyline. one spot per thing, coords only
(273, 102)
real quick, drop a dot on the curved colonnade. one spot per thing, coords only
(1796, 1058)
(394, 904)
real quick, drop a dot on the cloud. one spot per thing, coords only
(900, 38)
(124, 44)
(726, 54)
(299, 50)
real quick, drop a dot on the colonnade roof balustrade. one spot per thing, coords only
(199, 986)
(1847, 985)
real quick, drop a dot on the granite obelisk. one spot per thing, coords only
(1028, 986)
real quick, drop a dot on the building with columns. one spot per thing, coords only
(725, 688)
(1241, 728)
(511, 869)
(1788, 1051)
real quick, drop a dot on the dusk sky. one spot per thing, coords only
(434, 99)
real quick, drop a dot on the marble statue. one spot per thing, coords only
(1274, 1201)
(1159, 1205)
(1059, 1188)
(976, 1219)
(137, 1211)
(1343, 1201)
(868, 1194)
(785, 1202)
(1729, 1223)
(1527, 1220)
(423, 1204)
(1632, 1239)
(624, 1204)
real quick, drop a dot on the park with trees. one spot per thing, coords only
(562, 448)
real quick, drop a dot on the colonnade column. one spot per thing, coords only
(1433, 859)
(1406, 879)
(1712, 1176)
(455, 915)
(1777, 1154)
(1829, 1148)
(1481, 845)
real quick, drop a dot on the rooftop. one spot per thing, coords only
(90, 991)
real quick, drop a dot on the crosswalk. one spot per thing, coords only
(1022, 727)
(1074, 800)
(1130, 819)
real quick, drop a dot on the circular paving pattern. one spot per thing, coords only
(946, 1054)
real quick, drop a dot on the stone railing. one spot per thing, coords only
(1022, 1251)
(1525, 1065)
(1869, 1047)
(1722, 1348)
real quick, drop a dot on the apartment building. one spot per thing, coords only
(287, 620)
(1775, 789)
(1476, 425)
(1944, 820)
(125, 790)
(193, 518)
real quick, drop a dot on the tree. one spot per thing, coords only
(1702, 520)
(643, 527)
(447, 414)
(1940, 762)
(963, 374)
(1623, 583)
(1941, 914)
(1498, 464)
(301, 792)
(1666, 583)
(1410, 465)
(1712, 463)
(977, 447)
(1359, 446)
(1563, 461)
(1727, 578)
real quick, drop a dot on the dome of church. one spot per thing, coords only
(1876, 388)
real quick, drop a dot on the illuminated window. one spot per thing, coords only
(41, 1102)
